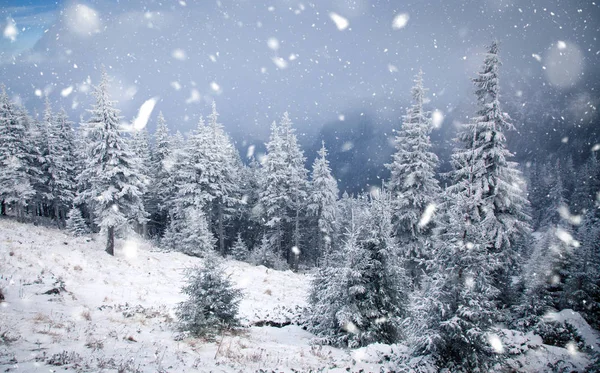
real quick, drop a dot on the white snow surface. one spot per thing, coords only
(117, 312)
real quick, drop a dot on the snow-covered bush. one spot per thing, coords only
(558, 333)
(265, 255)
(212, 303)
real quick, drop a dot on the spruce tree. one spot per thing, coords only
(140, 147)
(160, 171)
(115, 189)
(479, 234)
(239, 250)
(220, 180)
(76, 225)
(284, 190)
(412, 182)
(361, 297)
(273, 196)
(322, 202)
(62, 160)
(15, 186)
(213, 301)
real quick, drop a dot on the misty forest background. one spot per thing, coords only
(421, 233)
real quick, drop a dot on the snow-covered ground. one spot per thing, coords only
(116, 314)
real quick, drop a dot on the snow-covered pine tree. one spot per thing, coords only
(273, 196)
(76, 225)
(322, 204)
(412, 182)
(15, 187)
(213, 301)
(160, 170)
(298, 187)
(194, 237)
(110, 171)
(39, 160)
(484, 221)
(220, 179)
(482, 166)
(249, 218)
(140, 147)
(239, 250)
(62, 160)
(360, 298)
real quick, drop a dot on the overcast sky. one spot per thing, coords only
(318, 60)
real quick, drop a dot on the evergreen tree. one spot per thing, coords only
(140, 147)
(322, 202)
(479, 235)
(160, 171)
(284, 190)
(193, 237)
(39, 159)
(15, 187)
(361, 299)
(62, 164)
(273, 196)
(583, 284)
(239, 250)
(115, 187)
(76, 225)
(297, 187)
(213, 302)
(220, 177)
(412, 181)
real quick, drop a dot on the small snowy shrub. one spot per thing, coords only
(558, 334)
(265, 255)
(212, 303)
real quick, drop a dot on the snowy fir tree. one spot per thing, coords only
(62, 164)
(412, 182)
(284, 190)
(194, 238)
(15, 186)
(115, 187)
(322, 203)
(213, 302)
(483, 224)
(361, 300)
(160, 172)
(221, 171)
(140, 147)
(273, 196)
(483, 174)
(239, 250)
(76, 225)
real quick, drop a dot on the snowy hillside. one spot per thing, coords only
(116, 314)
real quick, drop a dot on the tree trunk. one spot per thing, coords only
(2, 208)
(110, 241)
(296, 253)
(221, 232)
